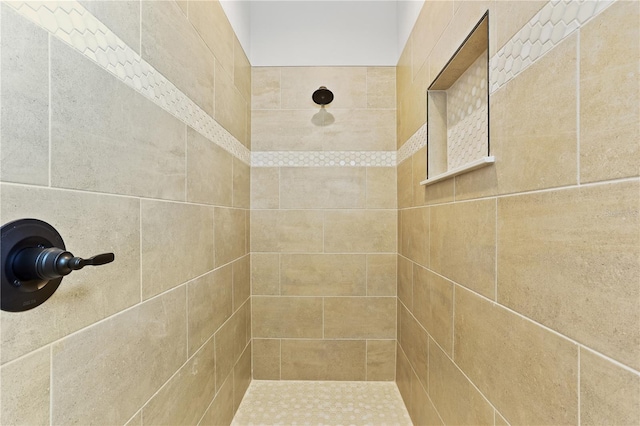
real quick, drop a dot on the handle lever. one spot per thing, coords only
(78, 263)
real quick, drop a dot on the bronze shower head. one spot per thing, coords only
(322, 96)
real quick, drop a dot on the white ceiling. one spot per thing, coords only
(322, 32)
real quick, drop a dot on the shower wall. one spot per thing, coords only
(114, 115)
(323, 215)
(518, 283)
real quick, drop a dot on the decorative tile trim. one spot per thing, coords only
(413, 145)
(73, 24)
(552, 24)
(323, 158)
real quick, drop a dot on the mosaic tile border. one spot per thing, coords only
(73, 24)
(323, 159)
(413, 145)
(553, 23)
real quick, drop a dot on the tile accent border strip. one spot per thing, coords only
(323, 159)
(73, 24)
(417, 141)
(553, 23)
(557, 20)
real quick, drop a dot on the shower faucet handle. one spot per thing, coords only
(50, 263)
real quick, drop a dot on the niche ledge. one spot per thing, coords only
(478, 164)
(458, 110)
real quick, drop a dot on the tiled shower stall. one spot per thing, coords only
(260, 237)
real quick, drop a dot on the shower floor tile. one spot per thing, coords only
(321, 403)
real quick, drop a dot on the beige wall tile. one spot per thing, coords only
(185, 397)
(360, 317)
(381, 274)
(265, 274)
(169, 41)
(422, 410)
(433, 306)
(170, 232)
(90, 135)
(209, 171)
(265, 188)
(511, 16)
(82, 364)
(381, 359)
(287, 317)
(220, 411)
(286, 231)
(301, 133)
(247, 230)
(403, 72)
(608, 393)
(360, 231)
(527, 372)
(101, 292)
(412, 106)
(241, 71)
(405, 184)
(322, 187)
(581, 248)
(467, 15)
(229, 235)
(419, 166)
(433, 19)
(241, 377)
(323, 275)
(437, 193)
(414, 342)
(241, 184)
(231, 340)
(405, 282)
(24, 122)
(381, 188)
(230, 106)
(609, 100)
(349, 84)
(499, 420)
(26, 390)
(265, 87)
(241, 281)
(453, 395)
(209, 301)
(361, 130)
(415, 235)
(122, 17)
(463, 244)
(533, 133)
(476, 184)
(136, 420)
(381, 87)
(323, 359)
(212, 25)
(266, 359)
(403, 377)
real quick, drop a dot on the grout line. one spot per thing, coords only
(578, 36)
(186, 163)
(49, 109)
(495, 256)
(51, 387)
(140, 248)
(578, 388)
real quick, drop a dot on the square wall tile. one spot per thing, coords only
(381, 360)
(360, 231)
(265, 88)
(266, 359)
(177, 244)
(566, 257)
(265, 274)
(291, 317)
(24, 118)
(323, 359)
(360, 317)
(381, 274)
(323, 274)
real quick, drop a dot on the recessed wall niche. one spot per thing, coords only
(458, 110)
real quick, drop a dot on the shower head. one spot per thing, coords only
(322, 96)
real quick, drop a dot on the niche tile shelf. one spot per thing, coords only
(458, 110)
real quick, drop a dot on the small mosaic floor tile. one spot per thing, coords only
(321, 403)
